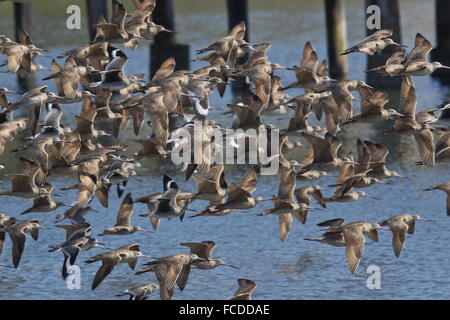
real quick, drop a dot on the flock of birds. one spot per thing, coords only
(95, 75)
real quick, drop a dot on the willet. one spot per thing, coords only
(141, 292)
(79, 240)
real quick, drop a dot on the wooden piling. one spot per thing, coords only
(336, 38)
(237, 12)
(95, 9)
(442, 51)
(390, 19)
(22, 20)
(164, 45)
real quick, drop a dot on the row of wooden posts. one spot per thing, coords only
(165, 45)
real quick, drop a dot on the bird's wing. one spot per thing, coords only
(424, 139)
(420, 51)
(354, 248)
(125, 211)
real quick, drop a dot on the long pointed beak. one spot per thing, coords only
(148, 257)
(423, 219)
(230, 265)
(8, 91)
(445, 67)
(371, 197)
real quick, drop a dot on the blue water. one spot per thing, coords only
(296, 269)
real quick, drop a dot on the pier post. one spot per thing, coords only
(22, 20)
(237, 12)
(442, 51)
(164, 45)
(95, 9)
(336, 38)
(390, 19)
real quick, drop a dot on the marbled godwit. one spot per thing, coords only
(376, 42)
(299, 120)
(378, 155)
(284, 204)
(18, 234)
(393, 65)
(198, 91)
(141, 14)
(150, 148)
(44, 203)
(344, 185)
(245, 290)
(20, 54)
(68, 78)
(442, 149)
(126, 254)
(213, 186)
(171, 270)
(342, 95)
(240, 197)
(278, 98)
(9, 129)
(259, 76)
(119, 171)
(416, 63)
(400, 226)
(32, 101)
(408, 124)
(443, 187)
(142, 292)
(372, 109)
(23, 185)
(5, 221)
(309, 75)
(114, 31)
(170, 204)
(324, 153)
(204, 251)
(94, 53)
(87, 188)
(353, 234)
(228, 47)
(303, 194)
(123, 223)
